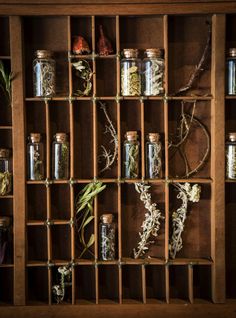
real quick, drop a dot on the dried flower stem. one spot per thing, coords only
(5, 83)
(186, 194)
(151, 223)
(85, 73)
(65, 280)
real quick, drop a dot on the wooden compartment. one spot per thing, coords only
(56, 280)
(132, 284)
(37, 287)
(5, 35)
(178, 278)
(60, 202)
(106, 77)
(155, 284)
(6, 139)
(5, 109)
(6, 290)
(6, 206)
(85, 284)
(61, 242)
(37, 243)
(202, 283)
(36, 118)
(36, 201)
(230, 116)
(82, 26)
(109, 28)
(108, 284)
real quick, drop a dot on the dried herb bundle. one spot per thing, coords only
(84, 72)
(84, 212)
(5, 83)
(5, 182)
(151, 223)
(186, 193)
(65, 281)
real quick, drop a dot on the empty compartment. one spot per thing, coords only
(83, 139)
(133, 216)
(56, 282)
(37, 202)
(37, 243)
(230, 240)
(7, 283)
(197, 226)
(108, 284)
(36, 118)
(230, 31)
(37, 286)
(155, 284)
(230, 117)
(197, 143)
(154, 123)
(60, 202)
(85, 284)
(5, 36)
(178, 278)
(106, 77)
(47, 33)
(81, 26)
(108, 25)
(6, 139)
(202, 283)
(59, 117)
(132, 284)
(6, 206)
(107, 167)
(141, 32)
(61, 242)
(187, 40)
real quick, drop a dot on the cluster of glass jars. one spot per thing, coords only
(5, 172)
(60, 157)
(231, 72)
(144, 77)
(131, 156)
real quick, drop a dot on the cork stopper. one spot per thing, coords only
(154, 137)
(35, 137)
(107, 218)
(43, 54)
(4, 221)
(130, 53)
(131, 135)
(61, 137)
(4, 153)
(154, 52)
(232, 136)
(232, 52)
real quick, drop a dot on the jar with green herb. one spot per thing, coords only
(60, 157)
(131, 155)
(107, 238)
(44, 74)
(153, 72)
(4, 237)
(153, 156)
(231, 72)
(5, 172)
(130, 73)
(35, 151)
(231, 156)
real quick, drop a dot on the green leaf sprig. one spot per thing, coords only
(5, 82)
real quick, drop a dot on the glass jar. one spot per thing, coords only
(130, 73)
(44, 74)
(131, 155)
(60, 157)
(231, 72)
(153, 156)
(35, 153)
(107, 238)
(4, 237)
(5, 172)
(231, 156)
(153, 72)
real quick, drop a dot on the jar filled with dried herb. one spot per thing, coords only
(231, 156)
(35, 153)
(107, 238)
(153, 72)
(60, 157)
(231, 72)
(131, 155)
(44, 74)
(5, 172)
(130, 73)
(153, 156)
(4, 237)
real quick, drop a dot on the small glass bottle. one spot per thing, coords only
(231, 156)
(153, 156)
(44, 74)
(231, 72)
(131, 155)
(60, 157)
(4, 237)
(130, 73)
(107, 238)
(5, 172)
(153, 72)
(35, 153)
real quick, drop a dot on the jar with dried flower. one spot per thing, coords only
(5, 172)
(231, 156)
(35, 153)
(4, 237)
(153, 156)
(131, 155)
(60, 157)
(107, 238)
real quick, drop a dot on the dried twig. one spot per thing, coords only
(85, 73)
(151, 223)
(199, 68)
(109, 156)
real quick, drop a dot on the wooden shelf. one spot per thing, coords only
(5, 57)
(6, 127)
